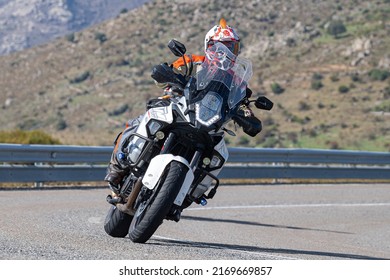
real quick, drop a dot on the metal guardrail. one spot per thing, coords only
(57, 163)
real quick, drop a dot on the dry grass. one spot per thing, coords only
(39, 89)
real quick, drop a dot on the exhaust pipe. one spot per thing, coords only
(128, 207)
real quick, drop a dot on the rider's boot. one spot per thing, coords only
(115, 170)
(115, 174)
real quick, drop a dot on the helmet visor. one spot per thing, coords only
(233, 46)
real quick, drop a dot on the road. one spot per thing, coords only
(272, 222)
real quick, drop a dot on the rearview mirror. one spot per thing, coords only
(264, 103)
(177, 48)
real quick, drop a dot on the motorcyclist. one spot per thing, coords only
(189, 65)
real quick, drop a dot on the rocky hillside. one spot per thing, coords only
(325, 64)
(26, 23)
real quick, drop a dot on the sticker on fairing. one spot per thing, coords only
(161, 113)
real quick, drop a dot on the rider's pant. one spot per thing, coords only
(116, 170)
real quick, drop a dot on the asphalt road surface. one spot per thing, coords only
(271, 222)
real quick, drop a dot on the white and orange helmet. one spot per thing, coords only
(225, 34)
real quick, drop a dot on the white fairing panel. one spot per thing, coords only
(163, 114)
(222, 149)
(157, 167)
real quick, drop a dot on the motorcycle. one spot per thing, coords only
(177, 151)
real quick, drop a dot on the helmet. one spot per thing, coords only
(225, 34)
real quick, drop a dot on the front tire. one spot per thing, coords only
(151, 213)
(117, 223)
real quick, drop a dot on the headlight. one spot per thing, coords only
(208, 110)
(153, 126)
(135, 147)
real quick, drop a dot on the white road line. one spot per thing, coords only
(287, 206)
(199, 244)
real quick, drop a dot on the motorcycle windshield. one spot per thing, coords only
(221, 65)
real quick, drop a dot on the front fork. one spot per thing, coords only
(168, 143)
(194, 165)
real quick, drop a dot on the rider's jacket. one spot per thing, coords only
(192, 62)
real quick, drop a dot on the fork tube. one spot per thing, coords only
(167, 144)
(195, 160)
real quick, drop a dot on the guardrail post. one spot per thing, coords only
(38, 184)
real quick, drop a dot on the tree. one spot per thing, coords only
(335, 28)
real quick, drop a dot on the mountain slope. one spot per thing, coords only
(82, 88)
(26, 23)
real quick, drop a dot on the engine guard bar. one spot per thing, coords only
(213, 191)
(145, 149)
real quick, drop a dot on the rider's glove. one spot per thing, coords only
(249, 123)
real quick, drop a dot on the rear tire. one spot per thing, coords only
(150, 215)
(117, 223)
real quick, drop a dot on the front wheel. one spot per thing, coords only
(117, 223)
(153, 209)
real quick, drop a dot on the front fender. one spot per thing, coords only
(156, 168)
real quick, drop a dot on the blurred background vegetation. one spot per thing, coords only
(27, 137)
(325, 64)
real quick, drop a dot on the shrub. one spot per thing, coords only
(316, 84)
(119, 111)
(386, 94)
(61, 124)
(271, 142)
(303, 106)
(70, 37)
(312, 133)
(316, 81)
(117, 62)
(276, 88)
(378, 74)
(320, 105)
(384, 107)
(335, 28)
(334, 78)
(80, 78)
(333, 145)
(355, 77)
(343, 89)
(317, 76)
(243, 141)
(29, 124)
(291, 42)
(372, 136)
(292, 137)
(101, 37)
(27, 137)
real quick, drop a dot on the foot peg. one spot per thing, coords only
(113, 200)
